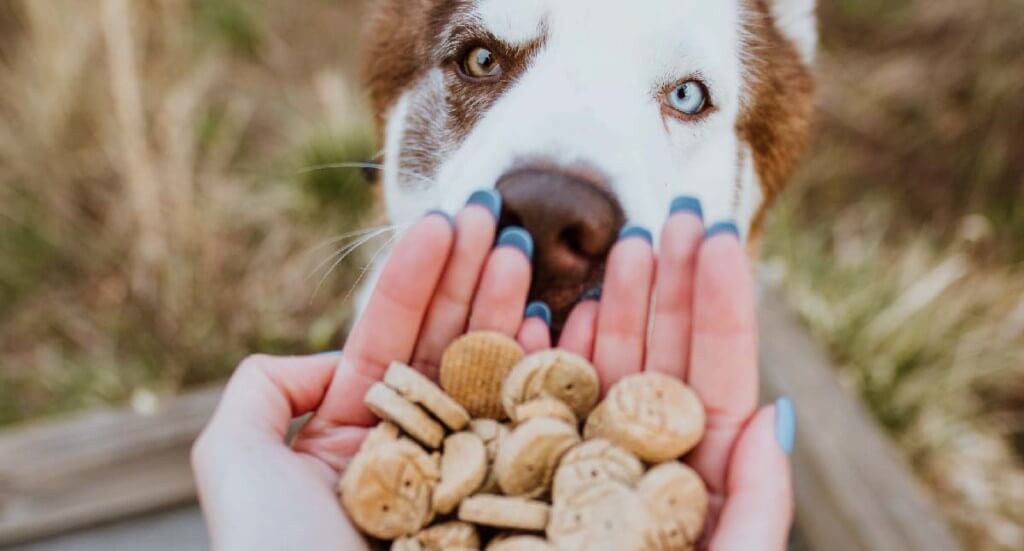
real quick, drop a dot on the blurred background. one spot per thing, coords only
(162, 214)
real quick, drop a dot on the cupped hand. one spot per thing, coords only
(445, 277)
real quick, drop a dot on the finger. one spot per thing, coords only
(625, 306)
(265, 392)
(505, 284)
(723, 360)
(391, 323)
(535, 333)
(758, 504)
(449, 310)
(580, 329)
(668, 349)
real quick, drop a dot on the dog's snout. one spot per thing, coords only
(574, 221)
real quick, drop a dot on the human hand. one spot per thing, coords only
(701, 328)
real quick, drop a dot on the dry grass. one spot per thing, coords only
(901, 242)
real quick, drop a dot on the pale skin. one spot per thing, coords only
(258, 493)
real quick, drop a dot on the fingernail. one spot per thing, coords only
(722, 228)
(785, 424)
(490, 199)
(592, 294)
(632, 230)
(515, 236)
(443, 214)
(685, 203)
(538, 309)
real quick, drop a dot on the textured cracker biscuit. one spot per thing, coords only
(519, 543)
(594, 460)
(449, 535)
(677, 503)
(463, 470)
(493, 434)
(505, 512)
(386, 490)
(553, 373)
(406, 544)
(651, 414)
(384, 432)
(473, 368)
(418, 389)
(605, 515)
(388, 405)
(528, 458)
(544, 407)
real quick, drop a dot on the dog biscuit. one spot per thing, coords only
(449, 535)
(594, 460)
(553, 373)
(463, 470)
(473, 368)
(383, 433)
(519, 543)
(527, 459)
(388, 405)
(605, 515)
(493, 434)
(655, 416)
(406, 544)
(544, 407)
(417, 388)
(514, 513)
(677, 503)
(386, 490)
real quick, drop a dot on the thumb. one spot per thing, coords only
(758, 509)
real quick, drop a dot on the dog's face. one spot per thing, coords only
(585, 114)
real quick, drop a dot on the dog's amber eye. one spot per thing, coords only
(481, 63)
(690, 98)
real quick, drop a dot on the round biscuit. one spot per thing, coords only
(544, 407)
(653, 415)
(606, 515)
(449, 535)
(527, 459)
(473, 368)
(388, 405)
(519, 543)
(554, 373)
(463, 470)
(386, 490)
(418, 389)
(593, 460)
(677, 503)
(514, 513)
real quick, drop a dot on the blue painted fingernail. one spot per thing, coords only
(785, 424)
(722, 228)
(685, 203)
(443, 214)
(538, 309)
(632, 230)
(515, 236)
(593, 293)
(490, 199)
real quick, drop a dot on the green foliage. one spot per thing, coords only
(237, 23)
(331, 171)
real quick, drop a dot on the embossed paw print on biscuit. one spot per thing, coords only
(386, 490)
(556, 374)
(595, 460)
(655, 416)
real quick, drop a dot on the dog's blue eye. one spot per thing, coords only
(689, 97)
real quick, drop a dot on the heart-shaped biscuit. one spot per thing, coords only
(553, 373)
(386, 489)
(653, 415)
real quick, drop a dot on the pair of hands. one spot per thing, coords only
(446, 276)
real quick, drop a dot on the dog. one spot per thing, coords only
(586, 114)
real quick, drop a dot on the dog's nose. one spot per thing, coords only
(574, 221)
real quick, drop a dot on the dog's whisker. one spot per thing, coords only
(345, 236)
(367, 266)
(373, 166)
(347, 249)
(346, 252)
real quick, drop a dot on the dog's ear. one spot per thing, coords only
(797, 21)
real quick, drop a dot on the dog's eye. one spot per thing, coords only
(690, 97)
(481, 63)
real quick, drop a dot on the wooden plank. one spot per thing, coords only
(100, 466)
(854, 491)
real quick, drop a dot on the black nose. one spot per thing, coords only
(574, 221)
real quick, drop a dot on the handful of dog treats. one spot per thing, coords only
(494, 459)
